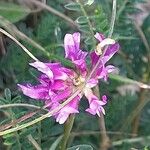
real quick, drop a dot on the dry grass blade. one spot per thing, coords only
(15, 40)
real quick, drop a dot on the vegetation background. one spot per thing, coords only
(40, 26)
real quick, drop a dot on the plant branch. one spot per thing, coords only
(67, 129)
(109, 35)
(50, 113)
(15, 40)
(88, 21)
(55, 12)
(133, 140)
(133, 114)
(105, 141)
(33, 142)
(20, 105)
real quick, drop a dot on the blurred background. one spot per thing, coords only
(40, 26)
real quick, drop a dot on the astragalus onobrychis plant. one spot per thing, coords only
(57, 83)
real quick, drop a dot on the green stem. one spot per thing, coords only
(88, 21)
(67, 129)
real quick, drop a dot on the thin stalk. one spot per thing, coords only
(136, 120)
(133, 114)
(20, 105)
(15, 40)
(33, 142)
(2, 47)
(54, 11)
(145, 42)
(109, 35)
(113, 18)
(16, 33)
(50, 113)
(105, 141)
(67, 129)
(131, 140)
(105, 144)
(88, 21)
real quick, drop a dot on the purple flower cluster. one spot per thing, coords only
(57, 83)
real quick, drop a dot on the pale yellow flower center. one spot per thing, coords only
(79, 80)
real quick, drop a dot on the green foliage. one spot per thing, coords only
(48, 30)
(13, 12)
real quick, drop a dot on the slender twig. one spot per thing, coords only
(20, 105)
(17, 34)
(121, 8)
(2, 47)
(100, 132)
(55, 12)
(105, 141)
(133, 140)
(142, 35)
(88, 21)
(50, 113)
(113, 17)
(109, 35)
(105, 144)
(15, 40)
(17, 121)
(145, 42)
(34, 143)
(133, 114)
(136, 120)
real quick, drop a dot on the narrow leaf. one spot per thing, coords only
(81, 20)
(7, 94)
(81, 147)
(73, 6)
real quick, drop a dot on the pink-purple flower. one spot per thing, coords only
(57, 83)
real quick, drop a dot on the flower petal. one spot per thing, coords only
(36, 92)
(111, 50)
(99, 37)
(72, 44)
(70, 108)
(43, 68)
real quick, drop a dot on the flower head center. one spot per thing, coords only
(77, 81)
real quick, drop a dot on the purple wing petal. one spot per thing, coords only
(43, 68)
(94, 58)
(36, 92)
(72, 47)
(99, 36)
(111, 50)
(70, 108)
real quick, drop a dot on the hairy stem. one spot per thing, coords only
(67, 129)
